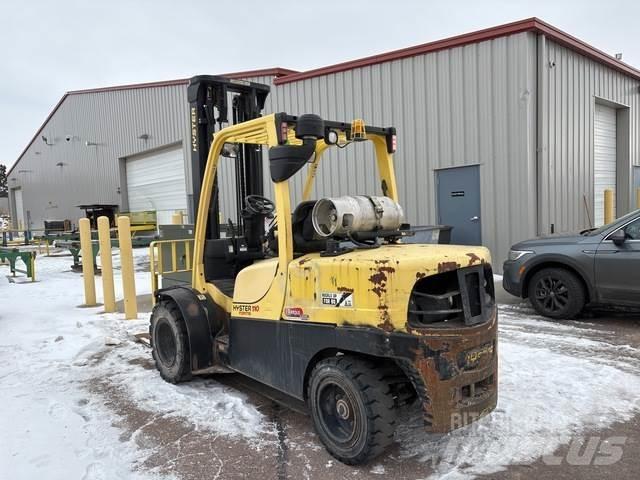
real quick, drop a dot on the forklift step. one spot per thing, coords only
(242, 382)
(212, 370)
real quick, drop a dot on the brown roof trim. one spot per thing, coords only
(265, 72)
(276, 72)
(527, 25)
(131, 86)
(584, 48)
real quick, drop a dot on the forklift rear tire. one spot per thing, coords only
(170, 342)
(352, 408)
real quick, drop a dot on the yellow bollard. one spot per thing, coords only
(638, 198)
(126, 263)
(87, 262)
(104, 237)
(608, 206)
(176, 219)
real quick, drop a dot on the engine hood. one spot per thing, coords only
(369, 285)
(420, 258)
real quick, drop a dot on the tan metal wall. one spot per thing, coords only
(570, 86)
(468, 105)
(56, 178)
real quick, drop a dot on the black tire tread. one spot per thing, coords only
(184, 373)
(378, 400)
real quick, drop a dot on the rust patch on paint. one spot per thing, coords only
(379, 279)
(447, 266)
(345, 289)
(437, 370)
(473, 258)
(420, 275)
(303, 261)
(385, 318)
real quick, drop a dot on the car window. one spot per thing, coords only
(604, 228)
(633, 230)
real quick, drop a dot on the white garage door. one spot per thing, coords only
(604, 157)
(155, 181)
(19, 209)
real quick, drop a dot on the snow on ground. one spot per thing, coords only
(204, 402)
(557, 381)
(51, 426)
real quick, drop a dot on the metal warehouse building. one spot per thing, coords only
(125, 146)
(504, 133)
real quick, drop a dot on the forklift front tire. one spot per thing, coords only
(170, 342)
(352, 408)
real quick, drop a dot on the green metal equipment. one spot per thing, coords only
(11, 255)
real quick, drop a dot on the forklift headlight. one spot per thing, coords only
(518, 254)
(331, 138)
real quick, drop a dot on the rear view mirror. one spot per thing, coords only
(618, 237)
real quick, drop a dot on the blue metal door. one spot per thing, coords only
(458, 191)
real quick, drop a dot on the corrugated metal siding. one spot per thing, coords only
(574, 85)
(468, 105)
(91, 174)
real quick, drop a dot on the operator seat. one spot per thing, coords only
(305, 238)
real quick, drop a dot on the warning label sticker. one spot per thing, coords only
(337, 299)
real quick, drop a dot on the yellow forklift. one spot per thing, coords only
(323, 300)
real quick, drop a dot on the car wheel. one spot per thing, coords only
(352, 408)
(556, 293)
(170, 342)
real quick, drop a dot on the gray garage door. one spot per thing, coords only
(604, 172)
(459, 203)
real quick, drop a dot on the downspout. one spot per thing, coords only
(541, 96)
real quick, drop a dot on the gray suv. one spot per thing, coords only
(561, 274)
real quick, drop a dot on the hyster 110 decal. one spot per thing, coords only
(337, 299)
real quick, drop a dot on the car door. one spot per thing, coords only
(617, 267)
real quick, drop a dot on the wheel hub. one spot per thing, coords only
(552, 294)
(342, 409)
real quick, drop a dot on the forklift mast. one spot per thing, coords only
(209, 98)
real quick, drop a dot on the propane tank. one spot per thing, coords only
(350, 214)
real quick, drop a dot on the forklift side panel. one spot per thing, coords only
(278, 353)
(197, 322)
(455, 375)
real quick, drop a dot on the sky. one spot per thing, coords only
(50, 47)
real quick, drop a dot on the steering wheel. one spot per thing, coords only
(259, 205)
